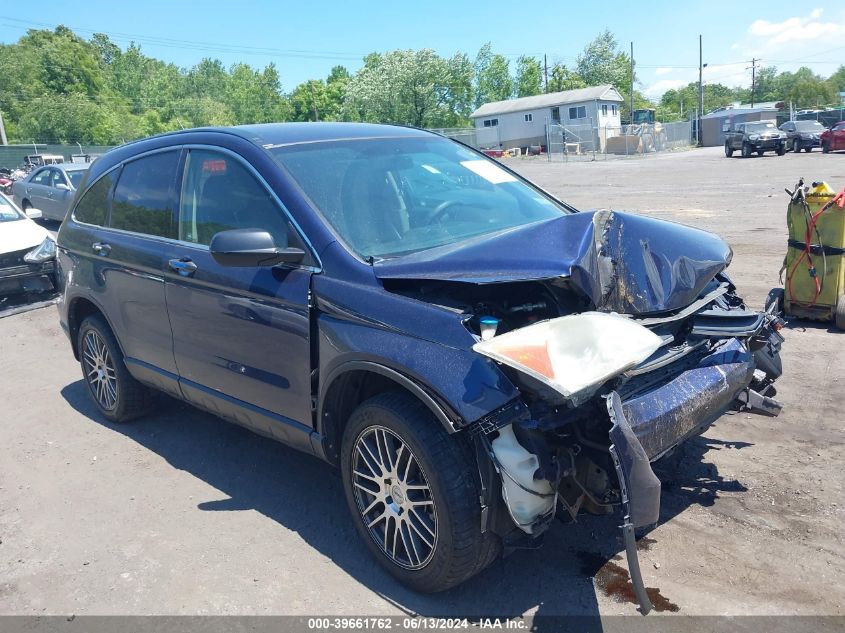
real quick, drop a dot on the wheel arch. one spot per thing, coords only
(350, 384)
(79, 309)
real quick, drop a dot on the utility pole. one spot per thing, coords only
(546, 71)
(753, 78)
(314, 102)
(3, 131)
(700, 90)
(631, 113)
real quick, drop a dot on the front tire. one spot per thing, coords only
(781, 150)
(116, 394)
(825, 148)
(746, 150)
(728, 150)
(796, 146)
(410, 488)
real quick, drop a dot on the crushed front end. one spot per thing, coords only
(592, 441)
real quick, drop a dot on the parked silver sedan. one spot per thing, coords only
(49, 188)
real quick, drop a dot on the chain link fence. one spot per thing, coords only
(593, 142)
(12, 156)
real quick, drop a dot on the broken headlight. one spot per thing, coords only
(570, 354)
(41, 253)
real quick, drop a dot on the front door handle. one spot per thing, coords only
(184, 266)
(101, 248)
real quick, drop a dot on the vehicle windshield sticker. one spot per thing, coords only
(487, 170)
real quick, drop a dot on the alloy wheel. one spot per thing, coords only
(99, 370)
(394, 498)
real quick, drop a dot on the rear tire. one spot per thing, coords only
(839, 313)
(411, 491)
(760, 152)
(116, 394)
(808, 149)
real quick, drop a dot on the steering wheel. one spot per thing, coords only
(440, 210)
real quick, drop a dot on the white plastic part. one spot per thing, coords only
(519, 466)
(572, 353)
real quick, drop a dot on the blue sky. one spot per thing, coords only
(305, 39)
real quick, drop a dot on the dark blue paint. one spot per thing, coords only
(690, 400)
(624, 263)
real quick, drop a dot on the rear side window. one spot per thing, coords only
(143, 198)
(41, 178)
(93, 208)
(218, 194)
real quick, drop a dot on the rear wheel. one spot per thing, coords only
(728, 150)
(760, 152)
(410, 488)
(796, 146)
(808, 149)
(117, 395)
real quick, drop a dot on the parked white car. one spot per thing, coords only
(27, 251)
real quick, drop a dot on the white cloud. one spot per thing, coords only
(662, 71)
(796, 29)
(659, 87)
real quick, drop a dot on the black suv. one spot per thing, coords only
(803, 135)
(756, 136)
(475, 356)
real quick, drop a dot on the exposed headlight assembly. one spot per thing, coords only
(570, 354)
(41, 253)
(753, 137)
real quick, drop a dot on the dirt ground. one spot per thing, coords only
(181, 513)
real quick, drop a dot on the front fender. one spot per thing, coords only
(461, 382)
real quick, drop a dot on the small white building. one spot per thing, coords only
(522, 122)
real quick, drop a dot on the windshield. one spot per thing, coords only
(8, 213)
(75, 177)
(393, 196)
(759, 127)
(808, 126)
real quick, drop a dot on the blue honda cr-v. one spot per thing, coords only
(473, 354)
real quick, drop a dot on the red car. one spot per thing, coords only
(834, 138)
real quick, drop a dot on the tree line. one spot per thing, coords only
(56, 86)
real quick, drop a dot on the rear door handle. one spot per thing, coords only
(101, 248)
(184, 266)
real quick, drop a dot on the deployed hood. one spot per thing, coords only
(20, 234)
(625, 263)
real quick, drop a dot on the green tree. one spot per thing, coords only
(837, 79)
(529, 76)
(404, 86)
(492, 77)
(602, 63)
(562, 78)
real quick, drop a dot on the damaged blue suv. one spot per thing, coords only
(474, 355)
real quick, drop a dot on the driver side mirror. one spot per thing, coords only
(250, 248)
(62, 186)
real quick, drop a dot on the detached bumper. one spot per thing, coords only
(28, 278)
(665, 416)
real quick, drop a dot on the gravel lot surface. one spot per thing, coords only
(182, 513)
